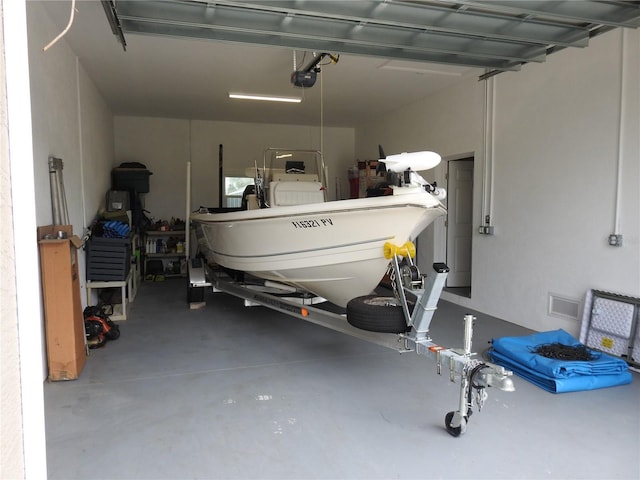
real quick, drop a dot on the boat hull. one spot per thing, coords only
(332, 249)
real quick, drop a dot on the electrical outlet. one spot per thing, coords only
(615, 240)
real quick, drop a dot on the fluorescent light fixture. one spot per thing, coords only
(268, 98)
(284, 155)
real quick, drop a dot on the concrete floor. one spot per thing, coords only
(233, 392)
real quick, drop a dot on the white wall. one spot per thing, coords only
(96, 148)
(449, 123)
(70, 120)
(556, 168)
(55, 118)
(162, 145)
(53, 109)
(555, 160)
(165, 145)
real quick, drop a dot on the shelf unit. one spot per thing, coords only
(128, 285)
(162, 245)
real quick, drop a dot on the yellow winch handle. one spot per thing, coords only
(408, 249)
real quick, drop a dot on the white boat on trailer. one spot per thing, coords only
(333, 249)
(340, 250)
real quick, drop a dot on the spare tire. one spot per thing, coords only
(377, 313)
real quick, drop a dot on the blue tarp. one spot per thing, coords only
(558, 376)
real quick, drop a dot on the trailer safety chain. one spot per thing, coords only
(476, 393)
(392, 277)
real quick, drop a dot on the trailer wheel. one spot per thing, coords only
(377, 314)
(455, 431)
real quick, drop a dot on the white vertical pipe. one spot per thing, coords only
(325, 180)
(621, 125)
(187, 223)
(485, 151)
(493, 142)
(322, 115)
(489, 137)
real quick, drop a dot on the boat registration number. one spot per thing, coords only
(314, 223)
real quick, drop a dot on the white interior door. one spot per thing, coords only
(459, 222)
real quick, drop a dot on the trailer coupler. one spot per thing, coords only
(475, 376)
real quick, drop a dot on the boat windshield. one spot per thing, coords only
(286, 165)
(306, 163)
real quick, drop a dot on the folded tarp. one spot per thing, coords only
(558, 376)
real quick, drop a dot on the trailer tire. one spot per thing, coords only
(455, 431)
(376, 313)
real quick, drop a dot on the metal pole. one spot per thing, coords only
(63, 197)
(220, 177)
(58, 197)
(187, 223)
(55, 208)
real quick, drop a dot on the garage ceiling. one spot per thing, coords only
(495, 35)
(180, 58)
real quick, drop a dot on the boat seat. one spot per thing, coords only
(295, 193)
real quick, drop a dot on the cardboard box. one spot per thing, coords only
(368, 178)
(64, 321)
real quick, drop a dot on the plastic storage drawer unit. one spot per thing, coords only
(108, 259)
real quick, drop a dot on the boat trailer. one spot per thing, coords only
(418, 296)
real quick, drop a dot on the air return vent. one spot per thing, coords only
(563, 307)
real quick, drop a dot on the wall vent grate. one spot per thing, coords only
(563, 307)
